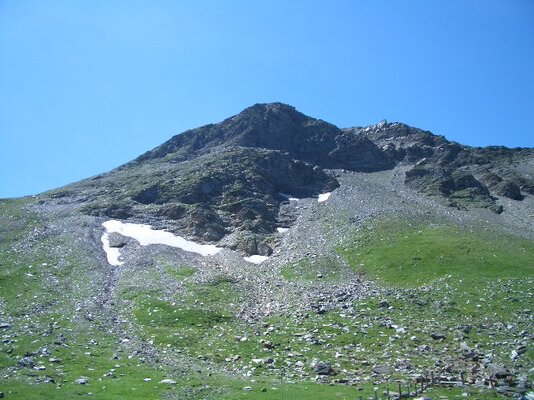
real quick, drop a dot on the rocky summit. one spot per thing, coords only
(274, 255)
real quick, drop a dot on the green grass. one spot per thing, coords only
(401, 255)
(35, 272)
(200, 319)
(444, 276)
(110, 377)
(307, 269)
(274, 390)
(186, 319)
(181, 272)
(158, 313)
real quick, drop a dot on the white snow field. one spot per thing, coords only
(289, 197)
(256, 259)
(323, 197)
(145, 235)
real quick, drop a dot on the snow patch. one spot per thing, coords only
(323, 197)
(145, 235)
(289, 197)
(256, 259)
(282, 230)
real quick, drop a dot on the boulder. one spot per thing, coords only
(381, 370)
(26, 362)
(322, 368)
(499, 371)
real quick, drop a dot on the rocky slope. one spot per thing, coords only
(226, 180)
(385, 253)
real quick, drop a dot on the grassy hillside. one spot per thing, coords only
(474, 287)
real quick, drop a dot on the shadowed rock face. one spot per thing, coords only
(465, 176)
(225, 178)
(232, 190)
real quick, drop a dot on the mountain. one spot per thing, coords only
(224, 180)
(272, 254)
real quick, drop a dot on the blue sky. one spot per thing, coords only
(88, 85)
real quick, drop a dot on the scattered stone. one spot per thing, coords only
(247, 389)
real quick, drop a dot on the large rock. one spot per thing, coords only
(510, 190)
(323, 368)
(26, 362)
(381, 370)
(117, 240)
(438, 336)
(498, 371)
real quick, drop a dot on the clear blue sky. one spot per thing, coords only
(88, 85)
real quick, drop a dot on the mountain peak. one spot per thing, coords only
(278, 126)
(270, 107)
(276, 116)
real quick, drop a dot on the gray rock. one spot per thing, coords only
(510, 190)
(438, 336)
(381, 369)
(383, 304)
(322, 368)
(117, 240)
(499, 371)
(26, 362)
(82, 380)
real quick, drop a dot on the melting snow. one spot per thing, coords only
(282, 230)
(289, 197)
(323, 197)
(256, 259)
(145, 235)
